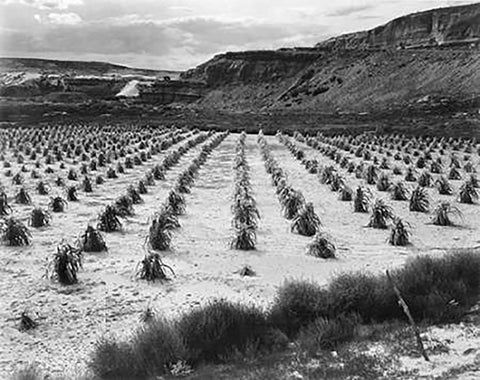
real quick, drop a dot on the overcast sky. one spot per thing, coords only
(180, 34)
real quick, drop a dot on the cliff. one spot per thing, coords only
(424, 60)
(438, 27)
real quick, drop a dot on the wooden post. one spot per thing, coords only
(406, 310)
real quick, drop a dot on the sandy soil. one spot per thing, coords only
(109, 300)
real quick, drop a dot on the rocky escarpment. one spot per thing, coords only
(253, 66)
(438, 27)
(424, 60)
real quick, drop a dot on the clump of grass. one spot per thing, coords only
(454, 174)
(245, 237)
(381, 214)
(72, 195)
(425, 179)
(57, 204)
(292, 202)
(142, 188)
(399, 234)
(42, 188)
(92, 241)
(14, 232)
(321, 246)
(419, 200)
(124, 206)
(152, 268)
(176, 202)
(161, 229)
(27, 322)
(442, 213)
(65, 264)
(345, 193)
(39, 218)
(399, 191)
(383, 182)
(87, 184)
(306, 222)
(361, 201)
(109, 220)
(444, 187)
(5, 209)
(468, 194)
(23, 197)
(134, 195)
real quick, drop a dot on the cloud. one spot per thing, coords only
(185, 41)
(64, 18)
(349, 10)
(46, 4)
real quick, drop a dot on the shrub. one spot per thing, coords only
(442, 214)
(362, 199)
(214, 332)
(399, 234)
(154, 349)
(65, 264)
(92, 241)
(23, 197)
(152, 268)
(468, 194)
(39, 218)
(327, 333)
(57, 204)
(297, 304)
(306, 222)
(444, 186)
(381, 213)
(419, 200)
(321, 246)
(109, 220)
(14, 232)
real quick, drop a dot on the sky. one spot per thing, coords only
(180, 34)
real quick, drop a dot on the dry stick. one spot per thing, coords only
(406, 310)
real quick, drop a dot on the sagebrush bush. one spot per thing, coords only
(327, 333)
(215, 331)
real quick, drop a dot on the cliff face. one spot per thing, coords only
(439, 27)
(253, 66)
(420, 60)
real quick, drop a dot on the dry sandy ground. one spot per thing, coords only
(108, 299)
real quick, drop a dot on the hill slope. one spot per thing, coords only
(360, 72)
